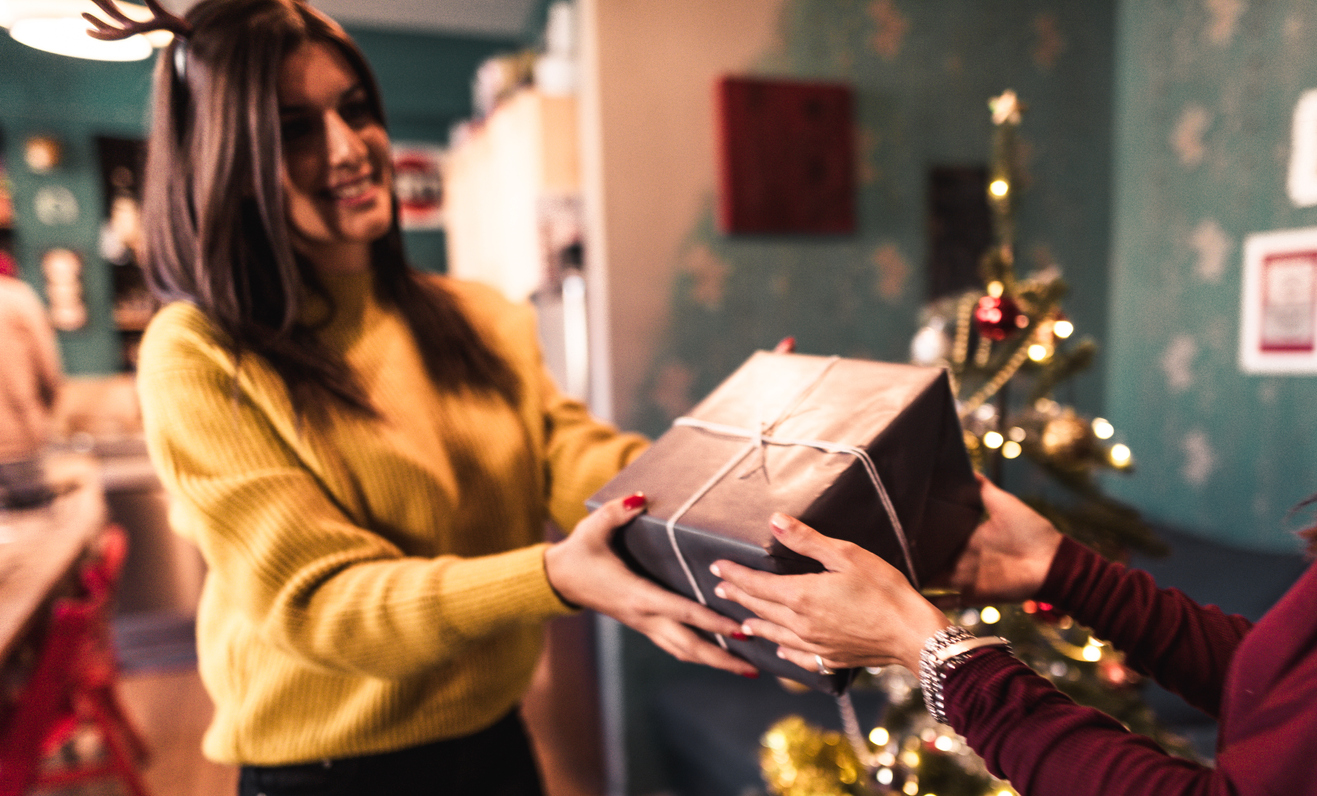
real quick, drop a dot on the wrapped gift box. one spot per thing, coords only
(869, 452)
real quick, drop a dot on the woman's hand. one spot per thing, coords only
(585, 571)
(1007, 557)
(860, 612)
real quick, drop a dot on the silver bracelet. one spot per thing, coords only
(945, 650)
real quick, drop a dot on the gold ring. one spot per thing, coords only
(824, 669)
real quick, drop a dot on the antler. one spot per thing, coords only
(160, 20)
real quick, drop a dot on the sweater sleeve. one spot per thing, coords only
(1185, 647)
(1032, 735)
(290, 561)
(583, 453)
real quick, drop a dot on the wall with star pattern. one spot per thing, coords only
(1204, 105)
(922, 73)
(1156, 138)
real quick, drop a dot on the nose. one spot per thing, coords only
(342, 143)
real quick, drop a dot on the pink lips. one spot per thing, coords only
(355, 192)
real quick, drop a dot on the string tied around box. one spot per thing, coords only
(757, 440)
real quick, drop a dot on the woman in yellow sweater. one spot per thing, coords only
(366, 456)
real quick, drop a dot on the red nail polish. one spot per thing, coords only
(739, 636)
(751, 675)
(634, 501)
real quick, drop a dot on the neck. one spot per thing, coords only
(340, 260)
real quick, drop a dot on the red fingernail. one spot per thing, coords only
(634, 501)
(751, 675)
(740, 636)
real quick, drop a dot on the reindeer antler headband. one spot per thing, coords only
(160, 20)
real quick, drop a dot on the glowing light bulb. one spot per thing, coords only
(1092, 653)
(943, 743)
(995, 289)
(1102, 428)
(1063, 329)
(879, 736)
(990, 615)
(1012, 450)
(911, 788)
(1038, 352)
(999, 188)
(993, 439)
(884, 776)
(1120, 455)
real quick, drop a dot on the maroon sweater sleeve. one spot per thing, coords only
(1034, 736)
(1182, 645)
(1029, 733)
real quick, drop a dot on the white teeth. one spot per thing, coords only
(351, 190)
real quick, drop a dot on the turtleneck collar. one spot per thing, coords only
(353, 297)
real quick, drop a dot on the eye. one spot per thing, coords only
(294, 129)
(357, 112)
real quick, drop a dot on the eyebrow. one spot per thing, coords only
(348, 95)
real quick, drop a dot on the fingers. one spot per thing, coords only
(612, 514)
(766, 595)
(806, 660)
(831, 553)
(684, 644)
(660, 601)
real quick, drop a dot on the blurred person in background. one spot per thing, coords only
(29, 387)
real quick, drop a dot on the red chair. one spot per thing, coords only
(72, 686)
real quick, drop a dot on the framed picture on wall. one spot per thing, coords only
(1278, 319)
(418, 170)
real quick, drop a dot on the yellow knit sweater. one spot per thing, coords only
(373, 584)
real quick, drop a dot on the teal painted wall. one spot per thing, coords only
(923, 73)
(1204, 104)
(425, 79)
(73, 100)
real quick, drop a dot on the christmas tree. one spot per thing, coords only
(1006, 346)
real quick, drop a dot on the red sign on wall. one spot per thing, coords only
(787, 157)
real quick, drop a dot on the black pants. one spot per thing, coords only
(493, 762)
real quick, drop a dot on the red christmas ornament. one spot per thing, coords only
(998, 317)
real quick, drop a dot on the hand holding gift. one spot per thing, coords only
(585, 571)
(1007, 556)
(861, 611)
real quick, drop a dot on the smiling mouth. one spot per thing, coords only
(354, 190)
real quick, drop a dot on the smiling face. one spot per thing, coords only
(338, 177)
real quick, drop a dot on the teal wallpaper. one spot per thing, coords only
(1204, 103)
(426, 83)
(922, 73)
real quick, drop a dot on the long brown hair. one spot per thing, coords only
(213, 210)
